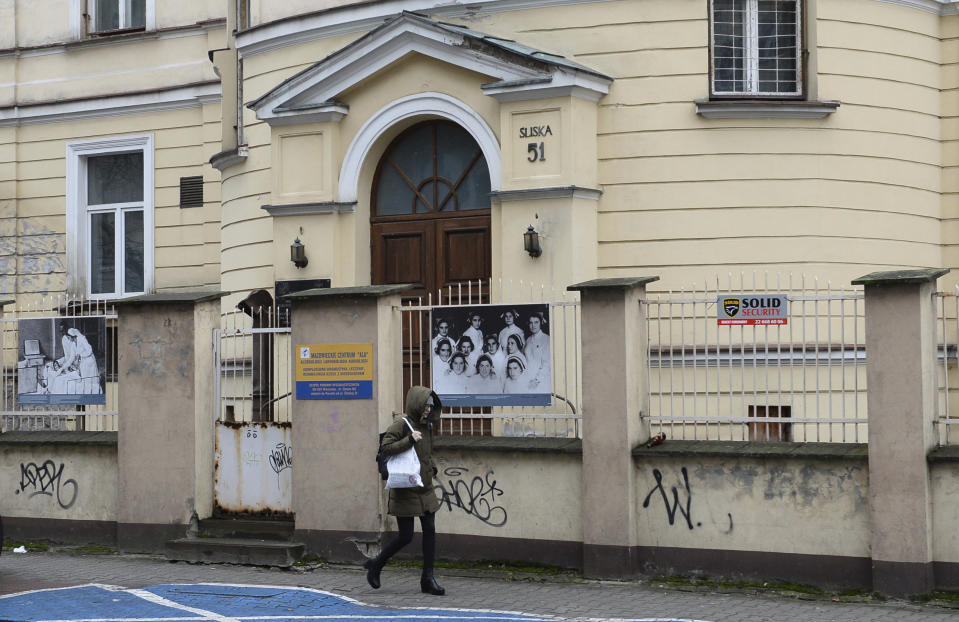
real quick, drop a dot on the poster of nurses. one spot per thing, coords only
(491, 355)
(61, 360)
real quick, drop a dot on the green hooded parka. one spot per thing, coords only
(398, 438)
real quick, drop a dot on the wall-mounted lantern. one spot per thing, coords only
(298, 254)
(531, 242)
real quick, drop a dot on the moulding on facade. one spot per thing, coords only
(307, 209)
(173, 32)
(226, 159)
(557, 192)
(311, 113)
(359, 18)
(938, 7)
(757, 109)
(420, 104)
(189, 96)
(521, 72)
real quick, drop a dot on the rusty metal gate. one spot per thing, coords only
(253, 430)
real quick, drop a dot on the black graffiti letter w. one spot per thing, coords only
(671, 509)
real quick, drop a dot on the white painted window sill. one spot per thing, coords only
(764, 109)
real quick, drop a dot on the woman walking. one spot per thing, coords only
(423, 412)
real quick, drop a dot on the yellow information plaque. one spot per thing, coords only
(341, 371)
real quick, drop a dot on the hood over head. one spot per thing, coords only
(416, 404)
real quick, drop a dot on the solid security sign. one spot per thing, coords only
(752, 309)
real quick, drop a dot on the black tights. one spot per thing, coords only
(428, 524)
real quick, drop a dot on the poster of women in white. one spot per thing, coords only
(491, 355)
(61, 361)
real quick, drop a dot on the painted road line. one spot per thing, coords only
(222, 602)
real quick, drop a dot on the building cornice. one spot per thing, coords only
(308, 209)
(537, 194)
(365, 16)
(937, 7)
(176, 32)
(174, 98)
(355, 18)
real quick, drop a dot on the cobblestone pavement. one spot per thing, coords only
(565, 596)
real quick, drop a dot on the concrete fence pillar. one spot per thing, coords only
(165, 429)
(337, 491)
(901, 403)
(614, 399)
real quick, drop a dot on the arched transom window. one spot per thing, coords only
(433, 168)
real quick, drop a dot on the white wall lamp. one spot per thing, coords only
(531, 242)
(298, 254)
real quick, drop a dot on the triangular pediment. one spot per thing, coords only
(518, 72)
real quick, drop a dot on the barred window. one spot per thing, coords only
(756, 47)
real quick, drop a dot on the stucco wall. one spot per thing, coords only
(945, 504)
(812, 507)
(535, 496)
(73, 481)
(33, 227)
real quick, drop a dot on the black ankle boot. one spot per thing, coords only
(373, 568)
(429, 586)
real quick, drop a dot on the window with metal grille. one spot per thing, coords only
(766, 430)
(191, 191)
(756, 48)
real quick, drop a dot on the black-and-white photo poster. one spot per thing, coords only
(61, 361)
(491, 355)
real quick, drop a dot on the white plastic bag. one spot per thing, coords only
(404, 468)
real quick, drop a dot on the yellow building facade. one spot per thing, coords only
(678, 138)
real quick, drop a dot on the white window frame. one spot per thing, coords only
(78, 215)
(149, 10)
(751, 55)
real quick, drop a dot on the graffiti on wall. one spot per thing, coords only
(678, 501)
(475, 495)
(47, 479)
(281, 458)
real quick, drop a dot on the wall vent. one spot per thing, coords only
(191, 191)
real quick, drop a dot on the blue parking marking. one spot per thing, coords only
(217, 602)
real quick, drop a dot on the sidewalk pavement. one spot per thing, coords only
(565, 596)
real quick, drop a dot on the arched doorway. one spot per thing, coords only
(430, 221)
(430, 210)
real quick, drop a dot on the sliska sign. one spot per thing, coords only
(752, 310)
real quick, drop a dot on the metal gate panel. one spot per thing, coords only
(254, 468)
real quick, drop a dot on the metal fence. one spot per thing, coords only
(252, 358)
(59, 365)
(562, 418)
(802, 381)
(947, 333)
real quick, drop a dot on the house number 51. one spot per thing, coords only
(536, 152)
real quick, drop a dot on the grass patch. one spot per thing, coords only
(945, 597)
(309, 560)
(705, 582)
(537, 569)
(92, 549)
(30, 546)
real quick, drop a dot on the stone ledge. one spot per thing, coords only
(624, 282)
(946, 453)
(362, 291)
(172, 298)
(765, 109)
(58, 438)
(505, 444)
(901, 277)
(752, 449)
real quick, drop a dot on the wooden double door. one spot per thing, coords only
(432, 253)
